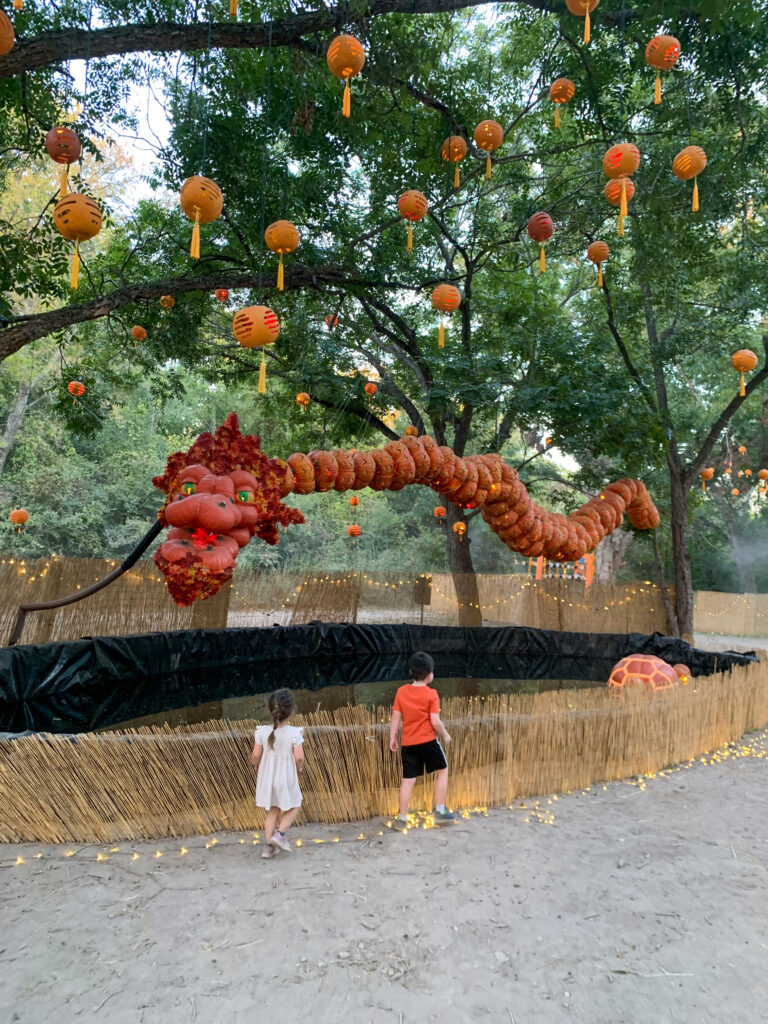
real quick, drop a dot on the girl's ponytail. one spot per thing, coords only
(282, 705)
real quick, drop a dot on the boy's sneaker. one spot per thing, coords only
(279, 840)
(443, 817)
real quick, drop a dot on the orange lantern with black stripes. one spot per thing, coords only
(413, 207)
(77, 218)
(202, 201)
(689, 163)
(619, 163)
(63, 147)
(540, 229)
(76, 388)
(257, 327)
(303, 400)
(446, 298)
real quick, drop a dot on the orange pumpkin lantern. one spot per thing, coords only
(167, 302)
(331, 321)
(413, 206)
(453, 150)
(763, 474)
(562, 90)
(439, 511)
(598, 252)
(735, 492)
(346, 56)
(619, 162)
(445, 298)
(742, 449)
(7, 35)
(460, 529)
(411, 431)
(619, 192)
(281, 237)
(354, 501)
(370, 389)
(221, 294)
(138, 333)
(689, 163)
(354, 530)
(682, 672)
(18, 517)
(256, 327)
(488, 136)
(706, 474)
(661, 53)
(202, 201)
(541, 229)
(303, 400)
(64, 148)
(76, 388)
(645, 670)
(744, 361)
(582, 9)
(77, 218)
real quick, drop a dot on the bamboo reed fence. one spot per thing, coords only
(197, 779)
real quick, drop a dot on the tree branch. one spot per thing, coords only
(633, 372)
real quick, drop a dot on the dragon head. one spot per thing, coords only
(220, 493)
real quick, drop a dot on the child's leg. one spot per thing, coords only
(406, 788)
(287, 818)
(441, 787)
(269, 826)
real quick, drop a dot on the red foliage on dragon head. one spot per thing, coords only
(220, 493)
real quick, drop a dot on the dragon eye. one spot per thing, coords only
(244, 496)
(188, 487)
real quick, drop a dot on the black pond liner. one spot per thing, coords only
(80, 685)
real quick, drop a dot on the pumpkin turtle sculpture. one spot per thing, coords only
(645, 670)
(224, 490)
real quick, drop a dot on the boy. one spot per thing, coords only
(418, 706)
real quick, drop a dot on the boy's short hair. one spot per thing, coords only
(420, 665)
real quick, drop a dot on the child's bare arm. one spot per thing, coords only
(439, 728)
(298, 757)
(394, 725)
(256, 754)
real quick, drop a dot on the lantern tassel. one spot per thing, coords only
(233, 8)
(623, 207)
(456, 178)
(657, 90)
(441, 336)
(742, 390)
(599, 275)
(703, 485)
(409, 247)
(557, 117)
(695, 203)
(194, 249)
(63, 181)
(586, 22)
(542, 260)
(262, 388)
(346, 106)
(75, 268)
(280, 275)
(621, 226)
(487, 167)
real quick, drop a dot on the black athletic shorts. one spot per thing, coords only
(421, 757)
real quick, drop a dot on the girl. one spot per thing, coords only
(278, 753)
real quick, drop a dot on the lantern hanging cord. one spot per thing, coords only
(204, 153)
(264, 152)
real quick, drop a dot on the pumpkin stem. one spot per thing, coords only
(194, 249)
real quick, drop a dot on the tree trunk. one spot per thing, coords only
(680, 552)
(462, 570)
(609, 555)
(13, 423)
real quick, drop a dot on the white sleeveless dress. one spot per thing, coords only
(277, 784)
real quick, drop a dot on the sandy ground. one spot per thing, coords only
(720, 642)
(641, 902)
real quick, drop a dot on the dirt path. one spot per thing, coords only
(635, 903)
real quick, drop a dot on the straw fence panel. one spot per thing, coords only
(731, 614)
(197, 779)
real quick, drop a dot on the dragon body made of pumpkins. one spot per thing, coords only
(224, 490)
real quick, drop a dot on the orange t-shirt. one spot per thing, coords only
(416, 704)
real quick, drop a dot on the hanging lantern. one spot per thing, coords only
(202, 201)
(77, 389)
(661, 53)
(446, 298)
(303, 400)
(413, 207)
(354, 530)
(598, 252)
(331, 321)
(346, 57)
(562, 90)
(281, 237)
(221, 294)
(619, 192)
(706, 474)
(460, 528)
(744, 361)
(18, 517)
(735, 492)
(256, 327)
(747, 472)
(763, 475)
(139, 333)
(411, 431)
(7, 35)
(167, 302)
(541, 228)
(77, 218)
(354, 501)
(370, 389)
(619, 163)
(689, 163)
(742, 449)
(582, 9)
(439, 511)
(488, 136)
(453, 150)
(64, 148)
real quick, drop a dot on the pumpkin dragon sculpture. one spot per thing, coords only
(224, 490)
